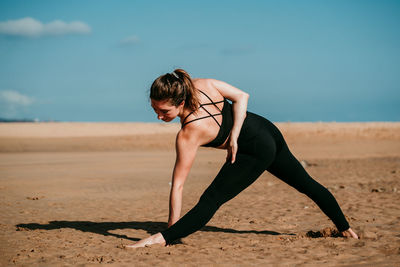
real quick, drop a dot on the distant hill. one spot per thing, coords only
(18, 120)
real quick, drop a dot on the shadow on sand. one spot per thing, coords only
(103, 228)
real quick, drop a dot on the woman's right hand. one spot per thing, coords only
(232, 150)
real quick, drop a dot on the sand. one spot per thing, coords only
(76, 193)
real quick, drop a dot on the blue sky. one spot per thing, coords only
(299, 60)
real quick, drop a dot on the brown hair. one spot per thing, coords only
(177, 87)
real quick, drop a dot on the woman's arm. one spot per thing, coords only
(187, 144)
(239, 100)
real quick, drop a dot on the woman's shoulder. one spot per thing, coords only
(193, 133)
(208, 81)
(207, 86)
(202, 82)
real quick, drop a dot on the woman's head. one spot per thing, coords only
(176, 87)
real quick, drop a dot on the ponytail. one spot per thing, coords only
(177, 87)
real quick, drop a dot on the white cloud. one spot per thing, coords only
(15, 98)
(61, 27)
(130, 40)
(30, 27)
(13, 103)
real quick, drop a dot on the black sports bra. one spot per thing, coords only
(227, 120)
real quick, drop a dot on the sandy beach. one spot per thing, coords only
(76, 193)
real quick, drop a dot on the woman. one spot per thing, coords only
(252, 142)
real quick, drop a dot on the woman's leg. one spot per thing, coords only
(287, 168)
(230, 181)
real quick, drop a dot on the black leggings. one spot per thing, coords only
(261, 147)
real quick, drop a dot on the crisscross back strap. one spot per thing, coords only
(209, 113)
(212, 102)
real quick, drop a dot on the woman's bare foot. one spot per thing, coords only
(151, 240)
(349, 233)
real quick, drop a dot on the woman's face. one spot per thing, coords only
(164, 110)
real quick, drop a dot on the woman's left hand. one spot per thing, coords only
(232, 150)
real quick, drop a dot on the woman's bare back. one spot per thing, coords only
(208, 127)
